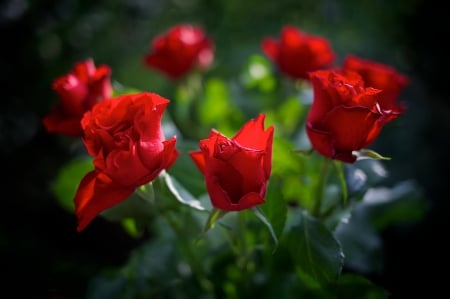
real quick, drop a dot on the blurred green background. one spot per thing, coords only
(42, 254)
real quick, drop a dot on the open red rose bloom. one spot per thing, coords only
(380, 76)
(237, 170)
(180, 50)
(345, 116)
(78, 91)
(125, 137)
(297, 53)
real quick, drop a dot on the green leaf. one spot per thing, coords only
(148, 273)
(275, 207)
(358, 287)
(67, 180)
(195, 181)
(380, 208)
(180, 193)
(317, 254)
(362, 175)
(369, 154)
(266, 222)
(136, 207)
(360, 243)
(403, 203)
(355, 178)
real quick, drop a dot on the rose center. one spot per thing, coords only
(224, 149)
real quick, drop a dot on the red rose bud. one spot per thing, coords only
(345, 116)
(78, 91)
(125, 137)
(380, 76)
(297, 53)
(180, 50)
(237, 170)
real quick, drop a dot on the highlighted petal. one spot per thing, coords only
(95, 194)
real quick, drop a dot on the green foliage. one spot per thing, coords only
(66, 183)
(257, 74)
(275, 208)
(357, 287)
(379, 209)
(317, 219)
(317, 254)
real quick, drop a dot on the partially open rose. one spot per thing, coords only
(125, 137)
(345, 116)
(379, 76)
(180, 50)
(296, 53)
(237, 170)
(78, 91)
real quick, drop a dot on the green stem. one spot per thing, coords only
(147, 193)
(321, 187)
(244, 259)
(341, 176)
(193, 261)
(241, 234)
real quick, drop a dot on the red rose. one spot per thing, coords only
(125, 137)
(344, 116)
(178, 51)
(380, 76)
(297, 53)
(237, 170)
(78, 91)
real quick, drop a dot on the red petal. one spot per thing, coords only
(170, 153)
(322, 100)
(95, 194)
(352, 128)
(221, 200)
(250, 200)
(270, 47)
(57, 123)
(252, 134)
(84, 70)
(72, 94)
(291, 37)
(199, 160)
(321, 141)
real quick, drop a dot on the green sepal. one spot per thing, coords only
(369, 154)
(214, 216)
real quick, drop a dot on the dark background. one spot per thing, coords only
(43, 256)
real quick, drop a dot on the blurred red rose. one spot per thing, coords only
(237, 170)
(297, 53)
(345, 116)
(125, 137)
(380, 76)
(78, 91)
(180, 50)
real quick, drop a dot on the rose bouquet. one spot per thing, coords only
(259, 187)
